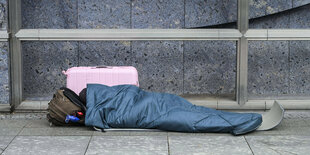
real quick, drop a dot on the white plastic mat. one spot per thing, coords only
(272, 118)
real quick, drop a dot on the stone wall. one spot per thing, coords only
(4, 53)
(276, 68)
(280, 68)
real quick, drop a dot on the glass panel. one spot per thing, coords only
(279, 14)
(211, 14)
(4, 72)
(299, 60)
(3, 15)
(43, 63)
(210, 67)
(126, 14)
(260, 8)
(278, 69)
(54, 14)
(189, 67)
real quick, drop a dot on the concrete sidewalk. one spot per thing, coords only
(31, 134)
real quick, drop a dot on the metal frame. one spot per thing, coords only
(15, 54)
(278, 34)
(242, 53)
(128, 34)
(241, 35)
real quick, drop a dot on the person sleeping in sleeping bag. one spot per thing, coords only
(127, 106)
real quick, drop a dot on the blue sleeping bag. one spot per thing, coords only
(127, 106)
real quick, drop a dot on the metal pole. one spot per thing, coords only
(15, 53)
(242, 53)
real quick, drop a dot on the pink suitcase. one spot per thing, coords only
(79, 77)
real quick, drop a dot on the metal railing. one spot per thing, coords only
(127, 34)
(242, 35)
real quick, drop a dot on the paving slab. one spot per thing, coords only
(297, 114)
(296, 122)
(273, 145)
(305, 131)
(180, 145)
(42, 145)
(57, 131)
(5, 141)
(38, 124)
(130, 133)
(13, 123)
(23, 116)
(128, 145)
(9, 131)
(185, 134)
(288, 127)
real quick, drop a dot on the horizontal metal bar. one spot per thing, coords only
(128, 34)
(256, 34)
(215, 103)
(28, 34)
(159, 34)
(5, 108)
(278, 34)
(4, 36)
(292, 34)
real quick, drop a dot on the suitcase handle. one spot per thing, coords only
(108, 67)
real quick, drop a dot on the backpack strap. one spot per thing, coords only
(73, 97)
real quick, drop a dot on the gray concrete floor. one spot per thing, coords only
(31, 134)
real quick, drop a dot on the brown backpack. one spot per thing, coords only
(65, 102)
